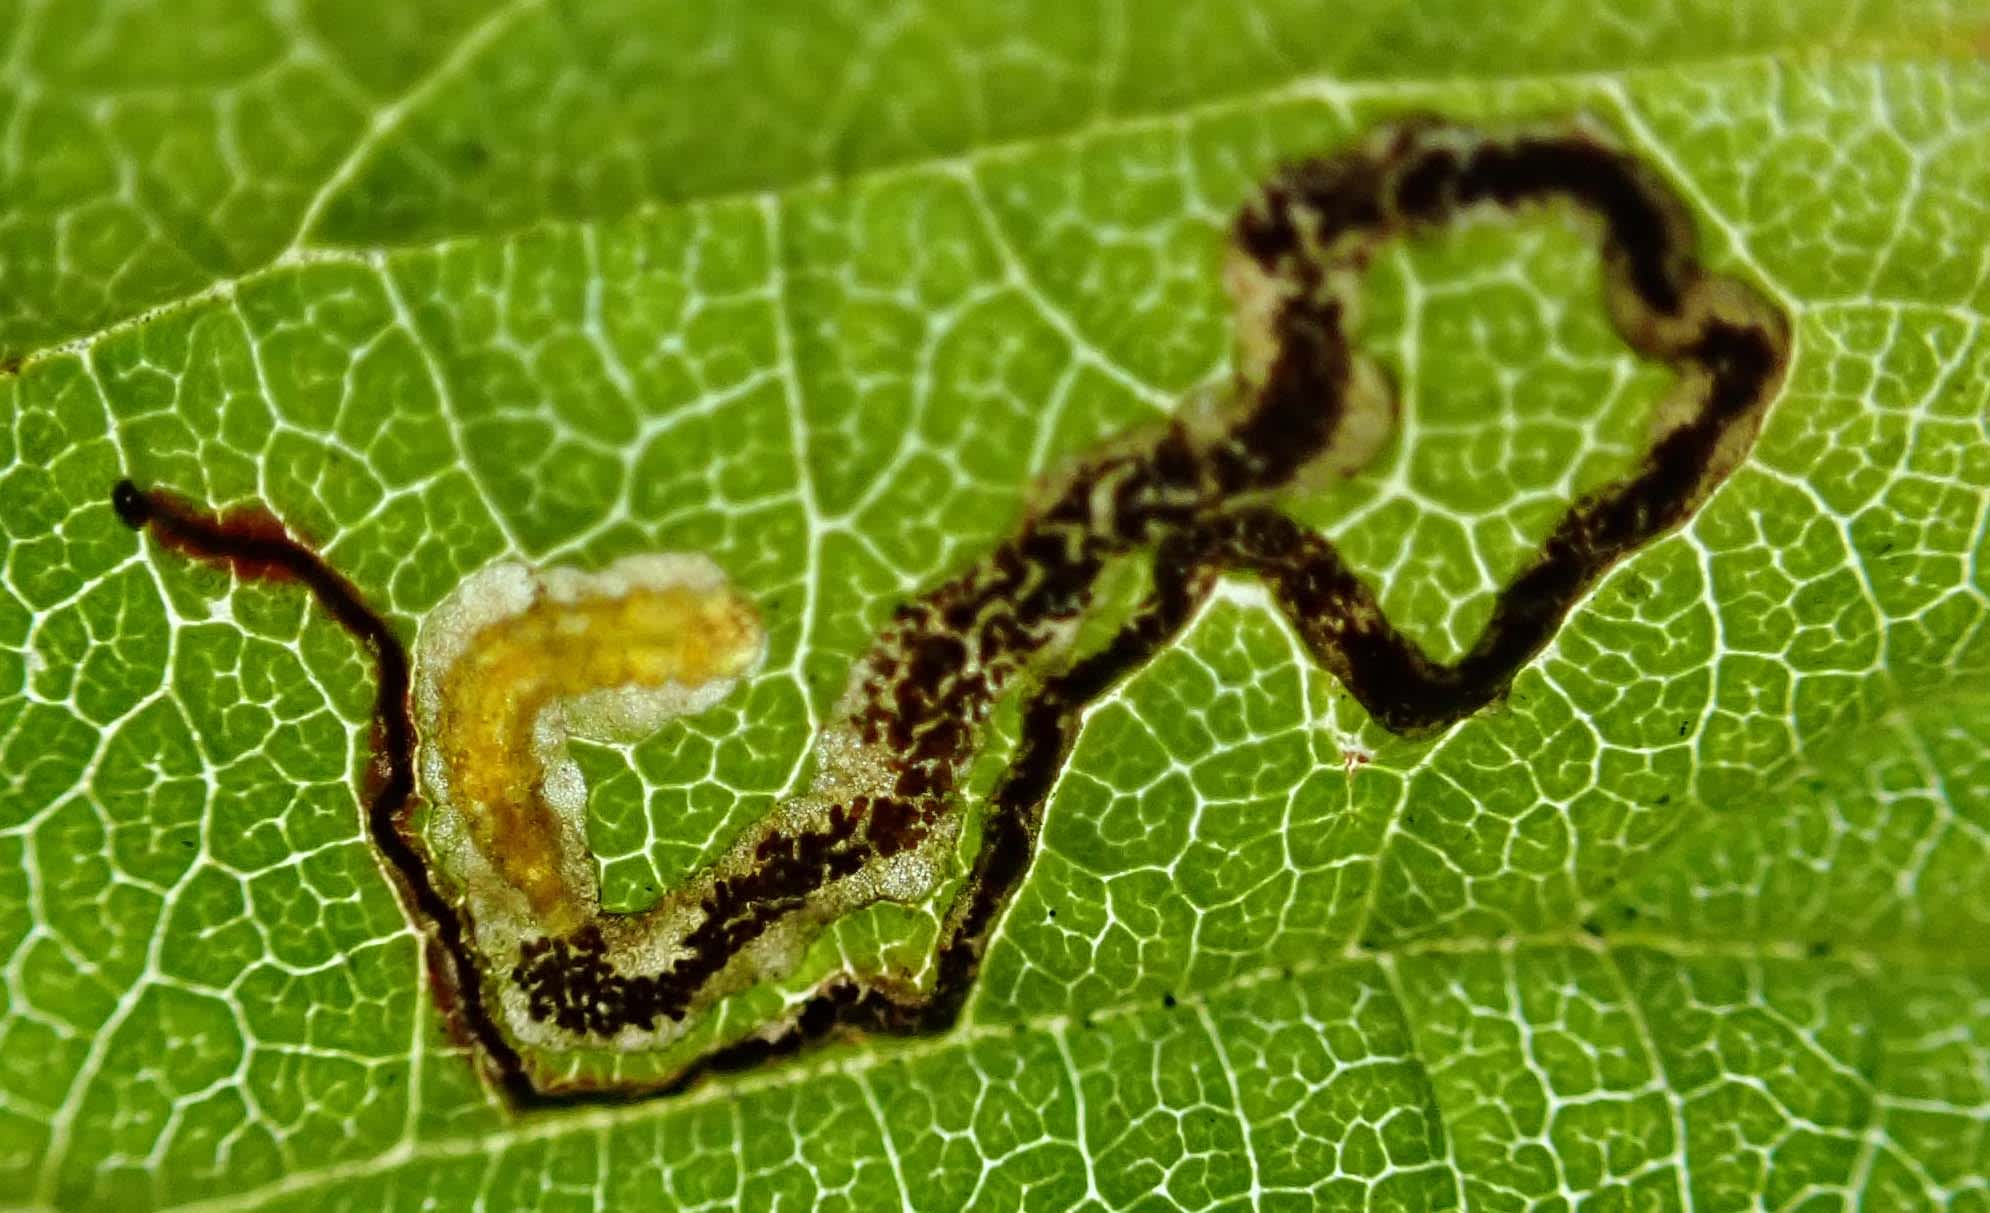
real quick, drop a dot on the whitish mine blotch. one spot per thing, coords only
(516, 661)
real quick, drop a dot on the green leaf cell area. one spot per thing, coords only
(883, 813)
(1286, 652)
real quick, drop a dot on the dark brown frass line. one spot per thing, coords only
(1194, 493)
(254, 546)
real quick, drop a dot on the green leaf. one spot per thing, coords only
(1693, 921)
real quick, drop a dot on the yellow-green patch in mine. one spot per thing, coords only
(517, 660)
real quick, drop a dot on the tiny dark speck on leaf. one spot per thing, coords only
(1593, 927)
(1168, 1001)
(1684, 725)
(1665, 799)
(1820, 948)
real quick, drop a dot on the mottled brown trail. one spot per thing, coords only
(1198, 493)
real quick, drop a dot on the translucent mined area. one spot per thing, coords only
(517, 659)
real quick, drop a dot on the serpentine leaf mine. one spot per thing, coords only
(528, 965)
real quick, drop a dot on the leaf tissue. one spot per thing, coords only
(1187, 606)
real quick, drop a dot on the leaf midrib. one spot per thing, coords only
(302, 254)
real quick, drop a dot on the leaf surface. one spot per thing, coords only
(1693, 921)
